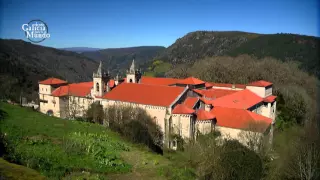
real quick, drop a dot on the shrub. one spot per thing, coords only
(95, 113)
(134, 124)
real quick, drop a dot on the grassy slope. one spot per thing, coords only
(45, 141)
(17, 172)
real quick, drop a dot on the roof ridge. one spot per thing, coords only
(154, 85)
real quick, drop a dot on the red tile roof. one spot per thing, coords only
(270, 99)
(260, 83)
(77, 89)
(208, 85)
(111, 83)
(240, 86)
(191, 81)
(190, 101)
(52, 81)
(182, 109)
(61, 91)
(240, 119)
(214, 93)
(243, 99)
(145, 94)
(206, 101)
(204, 115)
(158, 81)
(198, 91)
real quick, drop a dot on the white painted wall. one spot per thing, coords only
(45, 89)
(204, 127)
(268, 91)
(53, 103)
(182, 125)
(230, 133)
(260, 91)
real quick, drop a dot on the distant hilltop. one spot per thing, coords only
(81, 49)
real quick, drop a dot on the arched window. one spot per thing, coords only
(97, 87)
(50, 112)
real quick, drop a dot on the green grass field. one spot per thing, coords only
(17, 172)
(64, 149)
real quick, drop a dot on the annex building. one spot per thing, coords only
(181, 106)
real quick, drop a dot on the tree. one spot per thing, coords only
(256, 136)
(238, 162)
(95, 113)
(298, 154)
(71, 108)
(135, 124)
(222, 159)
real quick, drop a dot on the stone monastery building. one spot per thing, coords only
(182, 106)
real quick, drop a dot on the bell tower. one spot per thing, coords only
(133, 75)
(100, 81)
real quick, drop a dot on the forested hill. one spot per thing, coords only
(285, 47)
(119, 59)
(23, 64)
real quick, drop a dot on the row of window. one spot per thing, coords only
(134, 104)
(182, 115)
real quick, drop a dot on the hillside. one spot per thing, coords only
(286, 47)
(23, 64)
(119, 59)
(64, 149)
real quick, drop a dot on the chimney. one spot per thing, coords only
(116, 81)
(233, 86)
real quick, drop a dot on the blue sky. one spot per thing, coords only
(125, 23)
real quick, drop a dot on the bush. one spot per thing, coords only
(237, 162)
(95, 113)
(136, 125)
(215, 158)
